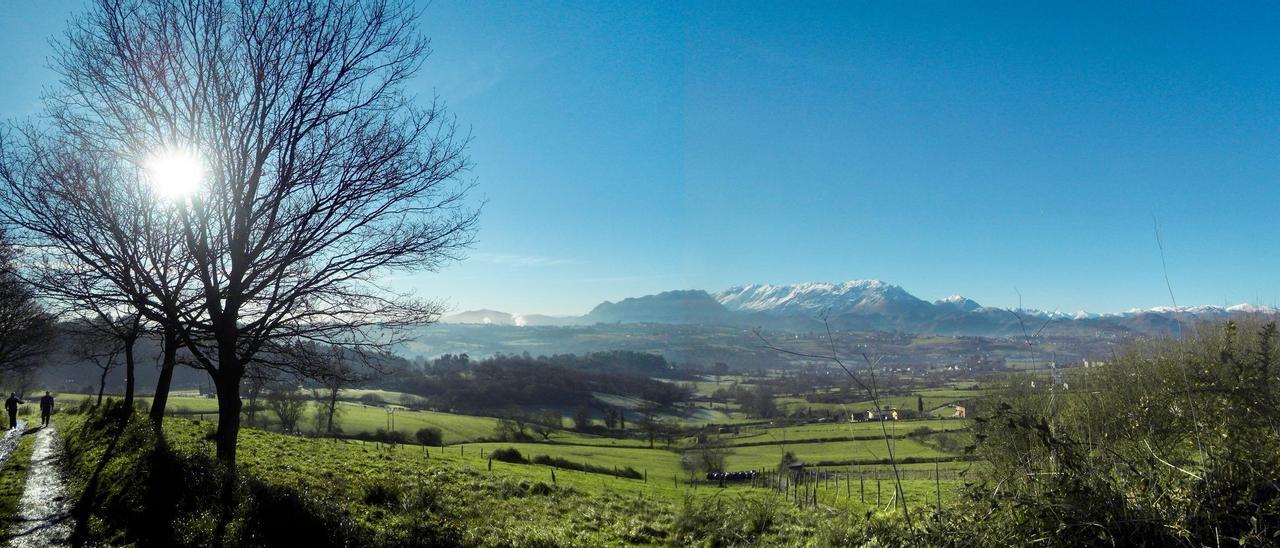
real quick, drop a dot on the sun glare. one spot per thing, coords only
(175, 172)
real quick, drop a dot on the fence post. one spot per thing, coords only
(877, 490)
(862, 492)
(937, 484)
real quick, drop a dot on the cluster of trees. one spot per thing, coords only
(231, 178)
(757, 401)
(563, 380)
(518, 425)
(25, 327)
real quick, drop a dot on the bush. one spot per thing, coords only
(429, 436)
(1173, 443)
(384, 436)
(509, 454)
(558, 462)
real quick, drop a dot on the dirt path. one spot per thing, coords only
(10, 440)
(43, 513)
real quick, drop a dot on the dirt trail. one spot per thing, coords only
(43, 513)
(10, 440)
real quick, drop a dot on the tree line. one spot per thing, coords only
(457, 382)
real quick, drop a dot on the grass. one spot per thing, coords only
(768, 456)
(375, 495)
(831, 430)
(363, 493)
(659, 463)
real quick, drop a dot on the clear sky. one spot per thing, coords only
(981, 149)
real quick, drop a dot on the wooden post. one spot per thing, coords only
(937, 484)
(877, 490)
(862, 492)
(553, 476)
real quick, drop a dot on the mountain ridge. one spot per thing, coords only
(857, 304)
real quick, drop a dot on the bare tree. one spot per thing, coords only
(257, 379)
(333, 373)
(25, 328)
(99, 244)
(92, 343)
(288, 403)
(547, 423)
(649, 421)
(318, 174)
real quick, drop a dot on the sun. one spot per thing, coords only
(175, 172)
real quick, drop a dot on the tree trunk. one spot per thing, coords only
(333, 405)
(167, 364)
(102, 385)
(227, 382)
(128, 373)
(228, 385)
(255, 388)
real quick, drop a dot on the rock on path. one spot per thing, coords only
(43, 513)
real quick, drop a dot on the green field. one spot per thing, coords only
(932, 399)
(830, 430)
(768, 456)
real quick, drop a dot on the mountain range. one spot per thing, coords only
(861, 305)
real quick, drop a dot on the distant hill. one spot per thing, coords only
(675, 307)
(870, 305)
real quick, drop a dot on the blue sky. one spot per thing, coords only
(982, 149)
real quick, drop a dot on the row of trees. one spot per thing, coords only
(311, 175)
(564, 380)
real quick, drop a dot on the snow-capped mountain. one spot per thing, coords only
(957, 303)
(863, 305)
(853, 297)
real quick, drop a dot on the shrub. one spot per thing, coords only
(1170, 443)
(558, 462)
(429, 436)
(509, 454)
(382, 493)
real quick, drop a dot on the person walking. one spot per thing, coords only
(11, 405)
(46, 408)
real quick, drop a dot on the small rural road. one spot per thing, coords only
(43, 513)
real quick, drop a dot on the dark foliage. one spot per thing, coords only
(501, 381)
